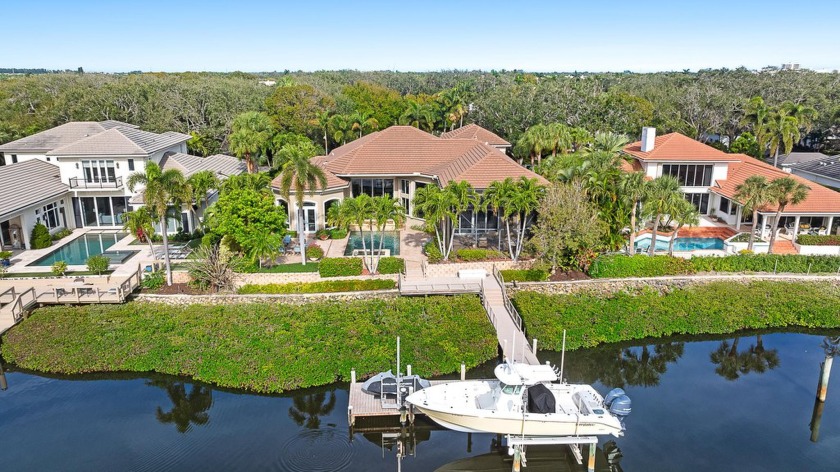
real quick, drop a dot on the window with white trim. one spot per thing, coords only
(49, 216)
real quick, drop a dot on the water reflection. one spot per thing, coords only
(187, 408)
(3, 383)
(732, 364)
(307, 410)
(620, 366)
(831, 347)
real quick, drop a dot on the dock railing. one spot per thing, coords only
(19, 307)
(484, 301)
(517, 319)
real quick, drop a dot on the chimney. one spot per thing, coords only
(648, 137)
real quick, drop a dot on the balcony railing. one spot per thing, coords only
(76, 182)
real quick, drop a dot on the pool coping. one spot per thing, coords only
(396, 233)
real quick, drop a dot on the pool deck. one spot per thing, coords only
(21, 261)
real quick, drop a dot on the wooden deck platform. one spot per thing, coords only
(361, 405)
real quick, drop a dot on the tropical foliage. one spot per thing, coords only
(319, 287)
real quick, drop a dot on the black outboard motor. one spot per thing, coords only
(619, 403)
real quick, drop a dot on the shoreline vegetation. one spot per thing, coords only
(266, 348)
(714, 308)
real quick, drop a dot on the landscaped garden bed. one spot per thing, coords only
(714, 308)
(619, 266)
(260, 347)
(327, 286)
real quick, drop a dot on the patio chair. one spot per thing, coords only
(79, 279)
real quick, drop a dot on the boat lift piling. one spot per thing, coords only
(518, 444)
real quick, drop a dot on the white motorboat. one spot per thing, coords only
(524, 400)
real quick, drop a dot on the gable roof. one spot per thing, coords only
(473, 131)
(221, 164)
(42, 180)
(799, 158)
(677, 147)
(820, 199)
(121, 141)
(404, 150)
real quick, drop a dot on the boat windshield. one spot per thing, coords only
(511, 389)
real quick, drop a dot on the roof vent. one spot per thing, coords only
(648, 138)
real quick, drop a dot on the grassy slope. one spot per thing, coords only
(261, 347)
(721, 307)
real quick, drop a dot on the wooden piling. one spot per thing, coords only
(591, 465)
(825, 372)
(463, 372)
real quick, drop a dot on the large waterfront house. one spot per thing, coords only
(74, 176)
(709, 179)
(401, 159)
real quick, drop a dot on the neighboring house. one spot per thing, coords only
(93, 160)
(709, 178)
(794, 159)
(473, 131)
(399, 160)
(825, 171)
(31, 192)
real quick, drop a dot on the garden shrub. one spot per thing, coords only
(62, 233)
(432, 252)
(350, 285)
(338, 233)
(391, 265)
(98, 264)
(617, 266)
(791, 263)
(818, 240)
(475, 255)
(524, 275)
(154, 280)
(314, 251)
(59, 268)
(340, 266)
(40, 237)
(210, 239)
(293, 268)
(714, 308)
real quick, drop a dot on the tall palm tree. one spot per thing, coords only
(140, 223)
(385, 209)
(300, 174)
(358, 211)
(664, 190)
(341, 128)
(608, 142)
(437, 207)
(753, 195)
(757, 114)
(634, 189)
(258, 182)
(421, 116)
(559, 138)
(466, 197)
(782, 130)
(785, 191)
(682, 213)
(202, 183)
(493, 198)
(580, 138)
(362, 121)
(322, 121)
(521, 204)
(804, 114)
(251, 134)
(162, 189)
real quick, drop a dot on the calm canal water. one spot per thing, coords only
(701, 405)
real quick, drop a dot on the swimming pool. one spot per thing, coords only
(391, 242)
(77, 251)
(682, 244)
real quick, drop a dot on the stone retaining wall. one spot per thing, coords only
(286, 299)
(451, 270)
(661, 284)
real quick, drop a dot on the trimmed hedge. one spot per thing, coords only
(391, 265)
(319, 287)
(475, 255)
(294, 268)
(817, 240)
(714, 308)
(264, 347)
(619, 266)
(524, 275)
(340, 266)
(338, 233)
(62, 233)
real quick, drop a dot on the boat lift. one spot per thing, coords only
(517, 447)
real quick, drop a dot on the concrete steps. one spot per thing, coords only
(783, 246)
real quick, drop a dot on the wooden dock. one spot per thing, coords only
(361, 405)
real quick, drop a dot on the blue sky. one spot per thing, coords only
(558, 35)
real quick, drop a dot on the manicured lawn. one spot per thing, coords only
(715, 308)
(260, 347)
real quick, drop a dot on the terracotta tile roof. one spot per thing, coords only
(475, 132)
(820, 199)
(676, 147)
(333, 181)
(631, 165)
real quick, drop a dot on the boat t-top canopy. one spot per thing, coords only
(525, 374)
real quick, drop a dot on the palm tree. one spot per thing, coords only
(384, 209)
(727, 359)
(753, 195)
(536, 140)
(437, 207)
(664, 190)
(302, 175)
(559, 138)
(202, 183)
(634, 188)
(286, 152)
(522, 203)
(804, 114)
(758, 359)
(493, 198)
(682, 213)
(362, 121)
(251, 134)
(781, 130)
(608, 142)
(342, 128)
(785, 191)
(187, 408)
(162, 189)
(420, 116)
(267, 246)
(308, 409)
(359, 211)
(757, 114)
(257, 182)
(323, 121)
(580, 138)
(141, 224)
(454, 106)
